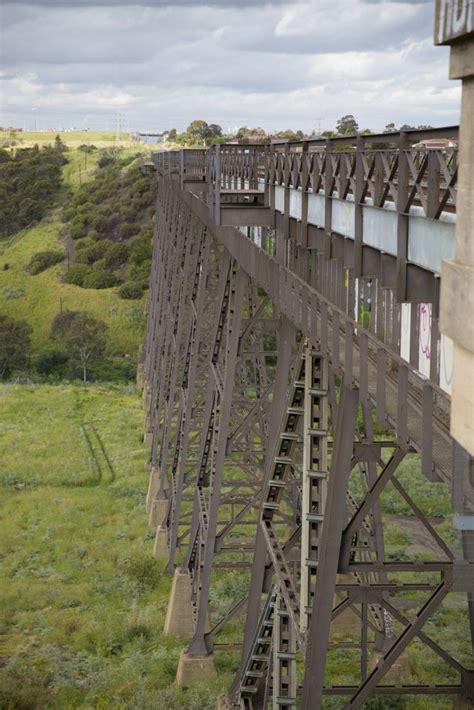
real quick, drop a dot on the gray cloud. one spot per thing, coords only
(281, 64)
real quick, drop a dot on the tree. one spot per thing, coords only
(199, 130)
(347, 125)
(215, 130)
(81, 336)
(390, 128)
(172, 135)
(14, 344)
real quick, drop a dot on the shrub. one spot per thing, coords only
(52, 362)
(77, 228)
(76, 274)
(94, 252)
(130, 290)
(128, 230)
(116, 255)
(43, 260)
(141, 248)
(100, 279)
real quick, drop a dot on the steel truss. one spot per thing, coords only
(278, 423)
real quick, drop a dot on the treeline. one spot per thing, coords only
(29, 181)
(110, 220)
(199, 133)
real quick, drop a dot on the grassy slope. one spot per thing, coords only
(40, 297)
(82, 599)
(101, 139)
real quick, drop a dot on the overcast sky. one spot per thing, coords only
(281, 64)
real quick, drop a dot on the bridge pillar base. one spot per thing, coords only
(146, 399)
(148, 438)
(158, 508)
(179, 616)
(193, 668)
(160, 546)
(140, 376)
(463, 702)
(153, 486)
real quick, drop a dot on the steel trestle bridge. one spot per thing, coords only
(293, 372)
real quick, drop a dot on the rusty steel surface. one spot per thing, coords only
(281, 410)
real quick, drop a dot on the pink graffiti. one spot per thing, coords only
(425, 329)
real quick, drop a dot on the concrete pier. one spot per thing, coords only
(179, 617)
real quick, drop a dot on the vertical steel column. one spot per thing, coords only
(314, 475)
(284, 684)
(199, 644)
(335, 518)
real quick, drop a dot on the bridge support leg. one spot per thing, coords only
(330, 545)
(179, 616)
(158, 508)
(153, 487)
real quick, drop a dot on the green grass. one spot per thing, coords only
(71, 138)
(37, 299)
(82, 599)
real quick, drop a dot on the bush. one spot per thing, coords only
(52, 362)
(116, 255)
(128, 230)
(43, 260)
(100, 279)
(130, 290)
(141, 248)
(94, 252)
(76, 274)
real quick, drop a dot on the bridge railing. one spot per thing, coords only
(416, 169)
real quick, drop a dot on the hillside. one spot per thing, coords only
(119, 200)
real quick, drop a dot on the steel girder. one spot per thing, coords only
(315, 469)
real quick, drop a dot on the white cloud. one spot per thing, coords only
(279, 65)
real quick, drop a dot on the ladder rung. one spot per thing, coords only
(317, 432)
(277, 483)
(314, 518)
(286, 701)
(271, 506)
(317, 474)
(298, 384)
(295, 410)
(285, 656)
(315, 392)
(311, 563)
(259, 657)
(291, 435)
(254, 674)
(284, 460)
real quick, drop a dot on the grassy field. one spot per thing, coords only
(101, 139)
(82, 599)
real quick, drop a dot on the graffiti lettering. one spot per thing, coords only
(454, 19)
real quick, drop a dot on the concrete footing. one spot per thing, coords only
(179, 616)
(146, 400)
(160, 546)
(148, 438)
(157, 512)
(153, 486)
(140, 375)
(193, 668)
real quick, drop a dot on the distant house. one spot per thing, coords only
(436, 144)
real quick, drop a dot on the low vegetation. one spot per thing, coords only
(82, 599)
(110, 221)
(30, 179)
